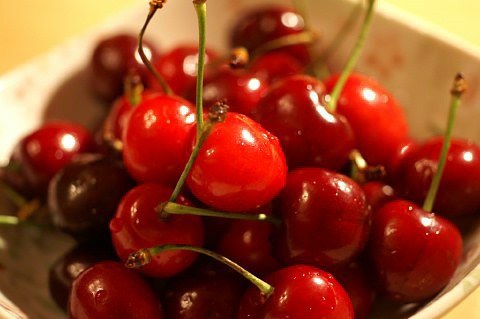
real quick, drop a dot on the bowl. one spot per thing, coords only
(413, 60)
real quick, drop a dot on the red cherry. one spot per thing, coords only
(300, 292)
(240, 167)
(325, 218)
(114, 57)
(178, 67)
(275, 66)
(45, 151)
(261, 25)
(414, 252)
(459, 191)
(378, 194)
(294, 111)
(137, 225)
(155, 137)
(377, 119)
(108, 290)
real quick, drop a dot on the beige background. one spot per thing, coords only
(31, 27)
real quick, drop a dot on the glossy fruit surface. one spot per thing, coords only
(42, 153)
(240, 167)
(459, 191)
(114, 57)
(83, 196)
(108, 290)
(274, 66)
(264, 24)
(300, 292)
(155, 137)
(378, 121)
(325, 218)
(137, 225)
(414, 252)
(294, 111)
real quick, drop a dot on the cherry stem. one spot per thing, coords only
(305, 37)
(133, 88)
(178, 209)
(14, 220)
(201, 10)
(216, 115)
(12, 194)
(361, 172)
(144, 256)
(353, 59)
(154, 6)
(459, 87)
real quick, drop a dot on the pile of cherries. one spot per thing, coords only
(320, 201)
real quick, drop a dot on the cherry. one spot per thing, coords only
(178, 67)
(274, 66)
(240, 167)
(248, 243)
(155, 137)
(207, 290)
(137, 225)
(378, 194)
(294, 110)
(325, 218)
(113, 58)
(459, 190)
(262, 25)
(414, 252)
(43, 152)
(68, 266)
(241, 89)
(108, 290)
(300, 292)
(83, 195)
(377, 120)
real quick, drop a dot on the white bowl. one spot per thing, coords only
(415, 61)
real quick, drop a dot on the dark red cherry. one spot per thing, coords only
(268, 23)
(137, 225)
(108, 290)
(83, 196)
(378, 194)
(325, 218)
(378, 121)
(294, 111)
(359, 285)
(155, 137)
(113, 58)
(66, 268)
(240, 167)
(248, 243)
(274, 66)
(300, 292)
(459, 191)
(414, 252)
(241, 89)
(208, 290)
(42, 153)
(178, 67)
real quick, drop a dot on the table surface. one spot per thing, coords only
(25, 33)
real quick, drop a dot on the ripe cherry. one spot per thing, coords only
(294, 111)
(378, 194)
(274, 66)
(114, 57)
(377, 120)
(459, 191)
(414, 252)
(262, 25)
(300, 292)
(42, 153)
(108, 290)
(325, 218)
(155, 137)
(137, 225)
(240, 167)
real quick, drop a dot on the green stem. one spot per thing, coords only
(201, 10)
(14, 196)
(305, 37)
(353, 59)
(154, 6)
(9, 220)
(459, 87)
(144, 256)
(178, 209)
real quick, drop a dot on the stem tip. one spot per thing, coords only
(138, 258)
(459, 85)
